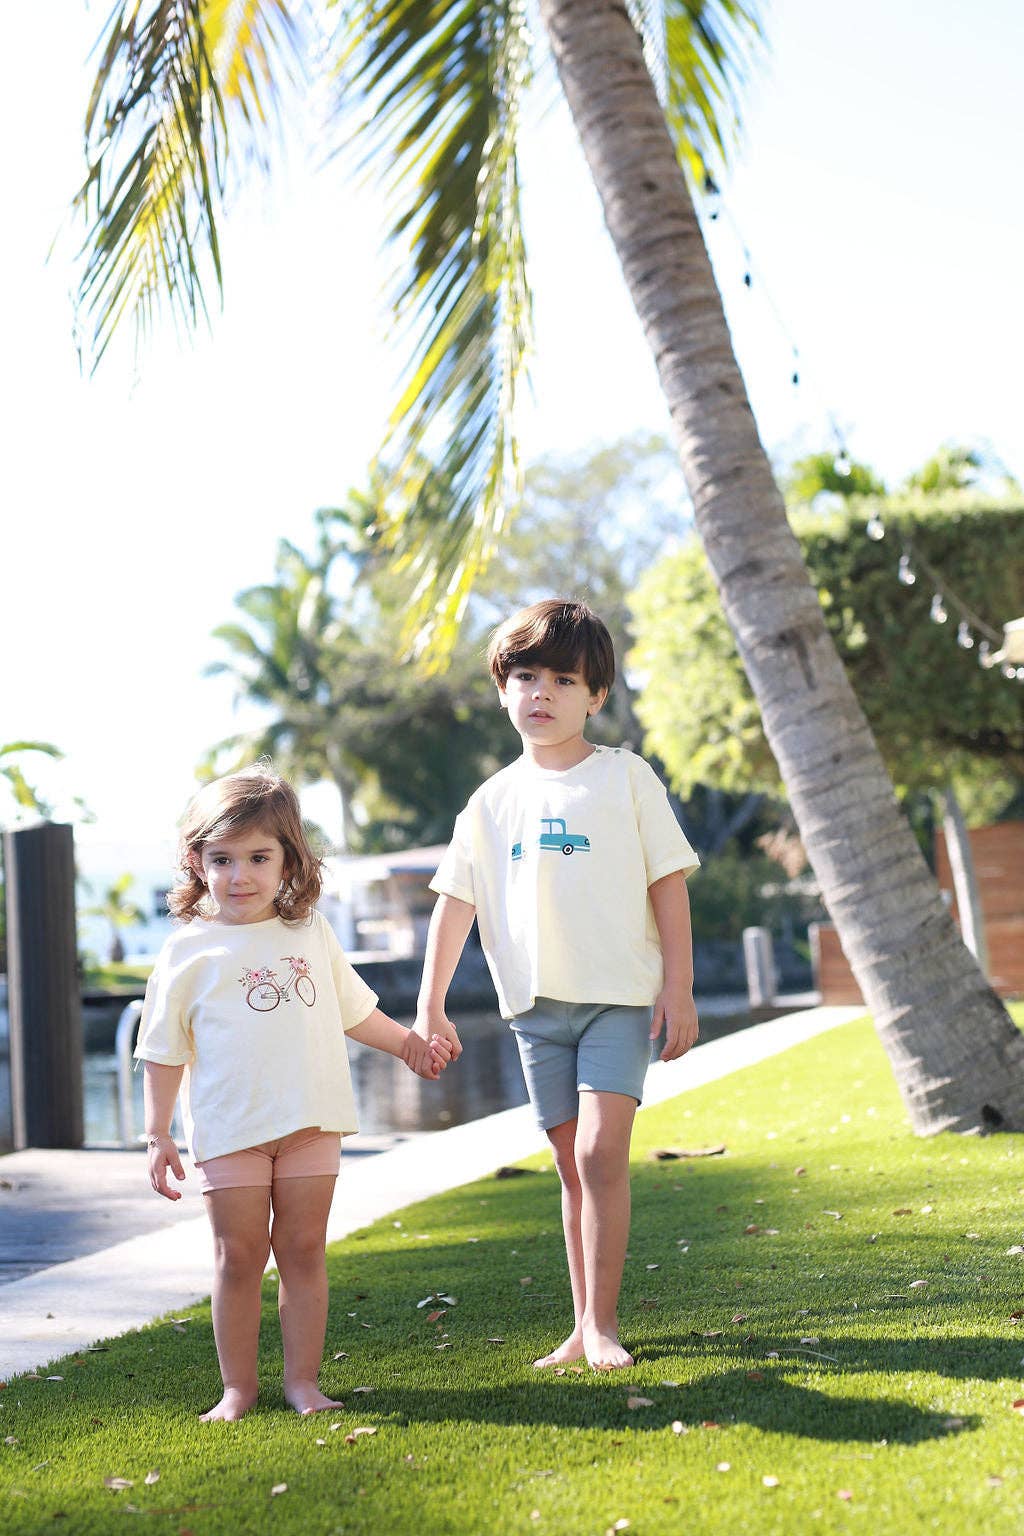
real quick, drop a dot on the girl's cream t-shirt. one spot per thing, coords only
(257, 1014)
(557, 864)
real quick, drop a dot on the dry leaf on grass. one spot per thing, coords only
(639, 1402)
(844, 1493)
(903, 1210)
(770, 1481)
(724, 1466)
(678, 1427)
(278, 1488)
(362, 1389)
(673, 1154)
(364, 1429)
(915, 1285)
(152, 1477)
(117, 1484)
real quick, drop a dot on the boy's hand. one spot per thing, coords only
(427, 1058)
(163, 1154)
(677, 1011)
(433, 1026)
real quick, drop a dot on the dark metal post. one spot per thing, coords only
(43, 985)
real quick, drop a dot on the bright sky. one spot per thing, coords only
(878, 194)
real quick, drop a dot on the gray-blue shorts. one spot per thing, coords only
(569, 1048)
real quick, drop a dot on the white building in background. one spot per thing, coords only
(380, 904)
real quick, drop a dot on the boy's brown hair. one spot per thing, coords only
(255, 797)
(557, 633)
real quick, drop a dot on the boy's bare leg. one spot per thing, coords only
(603, 1133)
(563, 1144)
(299, 1236)
(241, 1243)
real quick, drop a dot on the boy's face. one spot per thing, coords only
(549, 708)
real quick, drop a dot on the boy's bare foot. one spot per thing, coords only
(566, 1353)
(232, 1405)
(306, 1397)
(605, 1353)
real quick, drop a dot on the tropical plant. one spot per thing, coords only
(119, 913)
(440, 83)
(25, 795)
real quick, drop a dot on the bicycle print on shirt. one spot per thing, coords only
(265, 991)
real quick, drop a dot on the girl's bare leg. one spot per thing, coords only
(299, 1239)
(603, 1132)
(240, 1218)
(563, 1144)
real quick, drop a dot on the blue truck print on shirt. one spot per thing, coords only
(555, 836)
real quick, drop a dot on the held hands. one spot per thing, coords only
(677, 1011)
(163, 1155)
(438, 1026)
(427, 1058)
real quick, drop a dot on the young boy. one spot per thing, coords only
(575, 868)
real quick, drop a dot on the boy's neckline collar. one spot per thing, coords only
(533, 767)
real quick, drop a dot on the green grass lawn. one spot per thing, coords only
(830, 1304)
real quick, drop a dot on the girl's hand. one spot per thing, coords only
(677, 1011)
(438, 1026)
(426, 1058)
(163, 1154)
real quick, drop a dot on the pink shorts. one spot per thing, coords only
(302, 1155)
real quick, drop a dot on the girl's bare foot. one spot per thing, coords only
(605, 1353)
(232, 1405)
(566, 1353)
(306, 1397)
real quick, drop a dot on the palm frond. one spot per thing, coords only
(437, 86)
(709, 48)
(172, 76)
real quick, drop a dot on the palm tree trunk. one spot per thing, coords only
(957, 1056)
(965, 882)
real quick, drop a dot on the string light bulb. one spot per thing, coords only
(875, 528)
(841, 463)
(938, 612)
(964, 638)
(905, 572)
(985, 655)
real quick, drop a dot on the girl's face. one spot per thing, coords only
(243, 874)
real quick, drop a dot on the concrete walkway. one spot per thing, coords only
(167, 1265)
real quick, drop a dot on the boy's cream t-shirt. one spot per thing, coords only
(557, 864)
(256, 1013)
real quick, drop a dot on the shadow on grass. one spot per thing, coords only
(726, 1399)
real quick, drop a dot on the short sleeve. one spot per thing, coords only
(165, 1035)
(454, 875)
(666, 849)
(356, 1000)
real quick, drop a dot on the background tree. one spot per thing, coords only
(935, 713)
(440, 88)
(119, 913)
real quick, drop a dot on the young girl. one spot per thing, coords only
(246, 1012)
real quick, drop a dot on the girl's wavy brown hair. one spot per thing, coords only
(231, 806)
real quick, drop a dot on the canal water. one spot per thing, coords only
(389, 1098)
